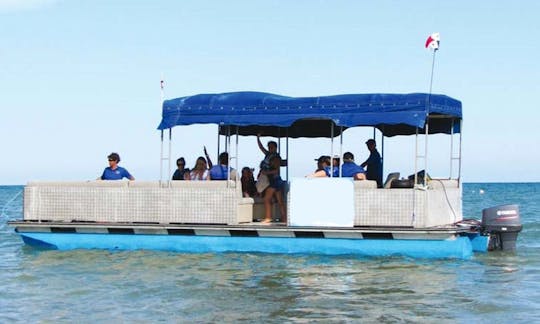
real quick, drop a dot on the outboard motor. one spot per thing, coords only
(503, 224)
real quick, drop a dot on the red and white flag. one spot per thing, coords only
(433, 41)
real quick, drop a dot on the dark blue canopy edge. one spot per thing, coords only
(249, 113)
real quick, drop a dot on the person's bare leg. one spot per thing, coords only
(269, 192)
(282, 210)
(359, 176)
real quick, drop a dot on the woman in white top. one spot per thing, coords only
(199, 171)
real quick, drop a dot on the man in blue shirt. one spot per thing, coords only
(113, 171)
(221, 171)
(351, 169)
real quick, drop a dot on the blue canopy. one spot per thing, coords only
(250, 113)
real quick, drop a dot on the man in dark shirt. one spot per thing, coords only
(373, 163)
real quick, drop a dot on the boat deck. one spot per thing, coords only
(246, 229)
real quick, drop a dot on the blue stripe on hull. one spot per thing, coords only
(459, 248)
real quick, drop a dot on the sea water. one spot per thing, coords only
(148, 286)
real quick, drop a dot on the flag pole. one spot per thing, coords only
(432, 43)
(161, 149)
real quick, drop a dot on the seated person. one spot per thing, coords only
(180, 172)
(199, 171)
(221, 170)
(351, 169)
(248, 183)
(335, 166)
(114, 171)
(323, 167)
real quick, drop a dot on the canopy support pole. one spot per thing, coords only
(331, 148)
(451, 148)
(227, 149)
(415, 178)
(287, 152)
(382, 153)
(426, 152)
(416, 158)
(218, 139)
(170, 153)
(460, 147)
(238, 174)
(340, 152)
(161, 159)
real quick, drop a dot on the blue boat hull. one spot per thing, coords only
(460, 247)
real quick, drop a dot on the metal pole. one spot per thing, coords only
(451, 147)
(218, 141)
(340, 151)
(416, 158)
(161, 99)
(459, 168)
(382, 152)
(227, 139)
(170, 153)
(415, 179)
(287, 152)
(161, 159)
(432, 69)
(331, 148)
(236, 158)
(426, 152)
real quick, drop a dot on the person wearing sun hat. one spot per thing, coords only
(114, 171)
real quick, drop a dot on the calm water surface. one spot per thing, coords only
(143, 286)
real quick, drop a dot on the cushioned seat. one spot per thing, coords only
(391, 177)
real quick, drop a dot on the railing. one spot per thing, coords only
(209, 202)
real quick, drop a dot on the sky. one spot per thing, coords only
(80, 79)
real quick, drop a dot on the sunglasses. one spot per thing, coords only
(112, 160)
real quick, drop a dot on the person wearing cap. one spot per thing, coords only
(373, 163)
(221, 170)
(114, 171)
(351, 169)
(323, 167)
(180, 172)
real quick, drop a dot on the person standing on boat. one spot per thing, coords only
(199, 172)
(221, 171)
(114, 171)
(181, 171)
(351, 169)
(373, 163)
(270, 168)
